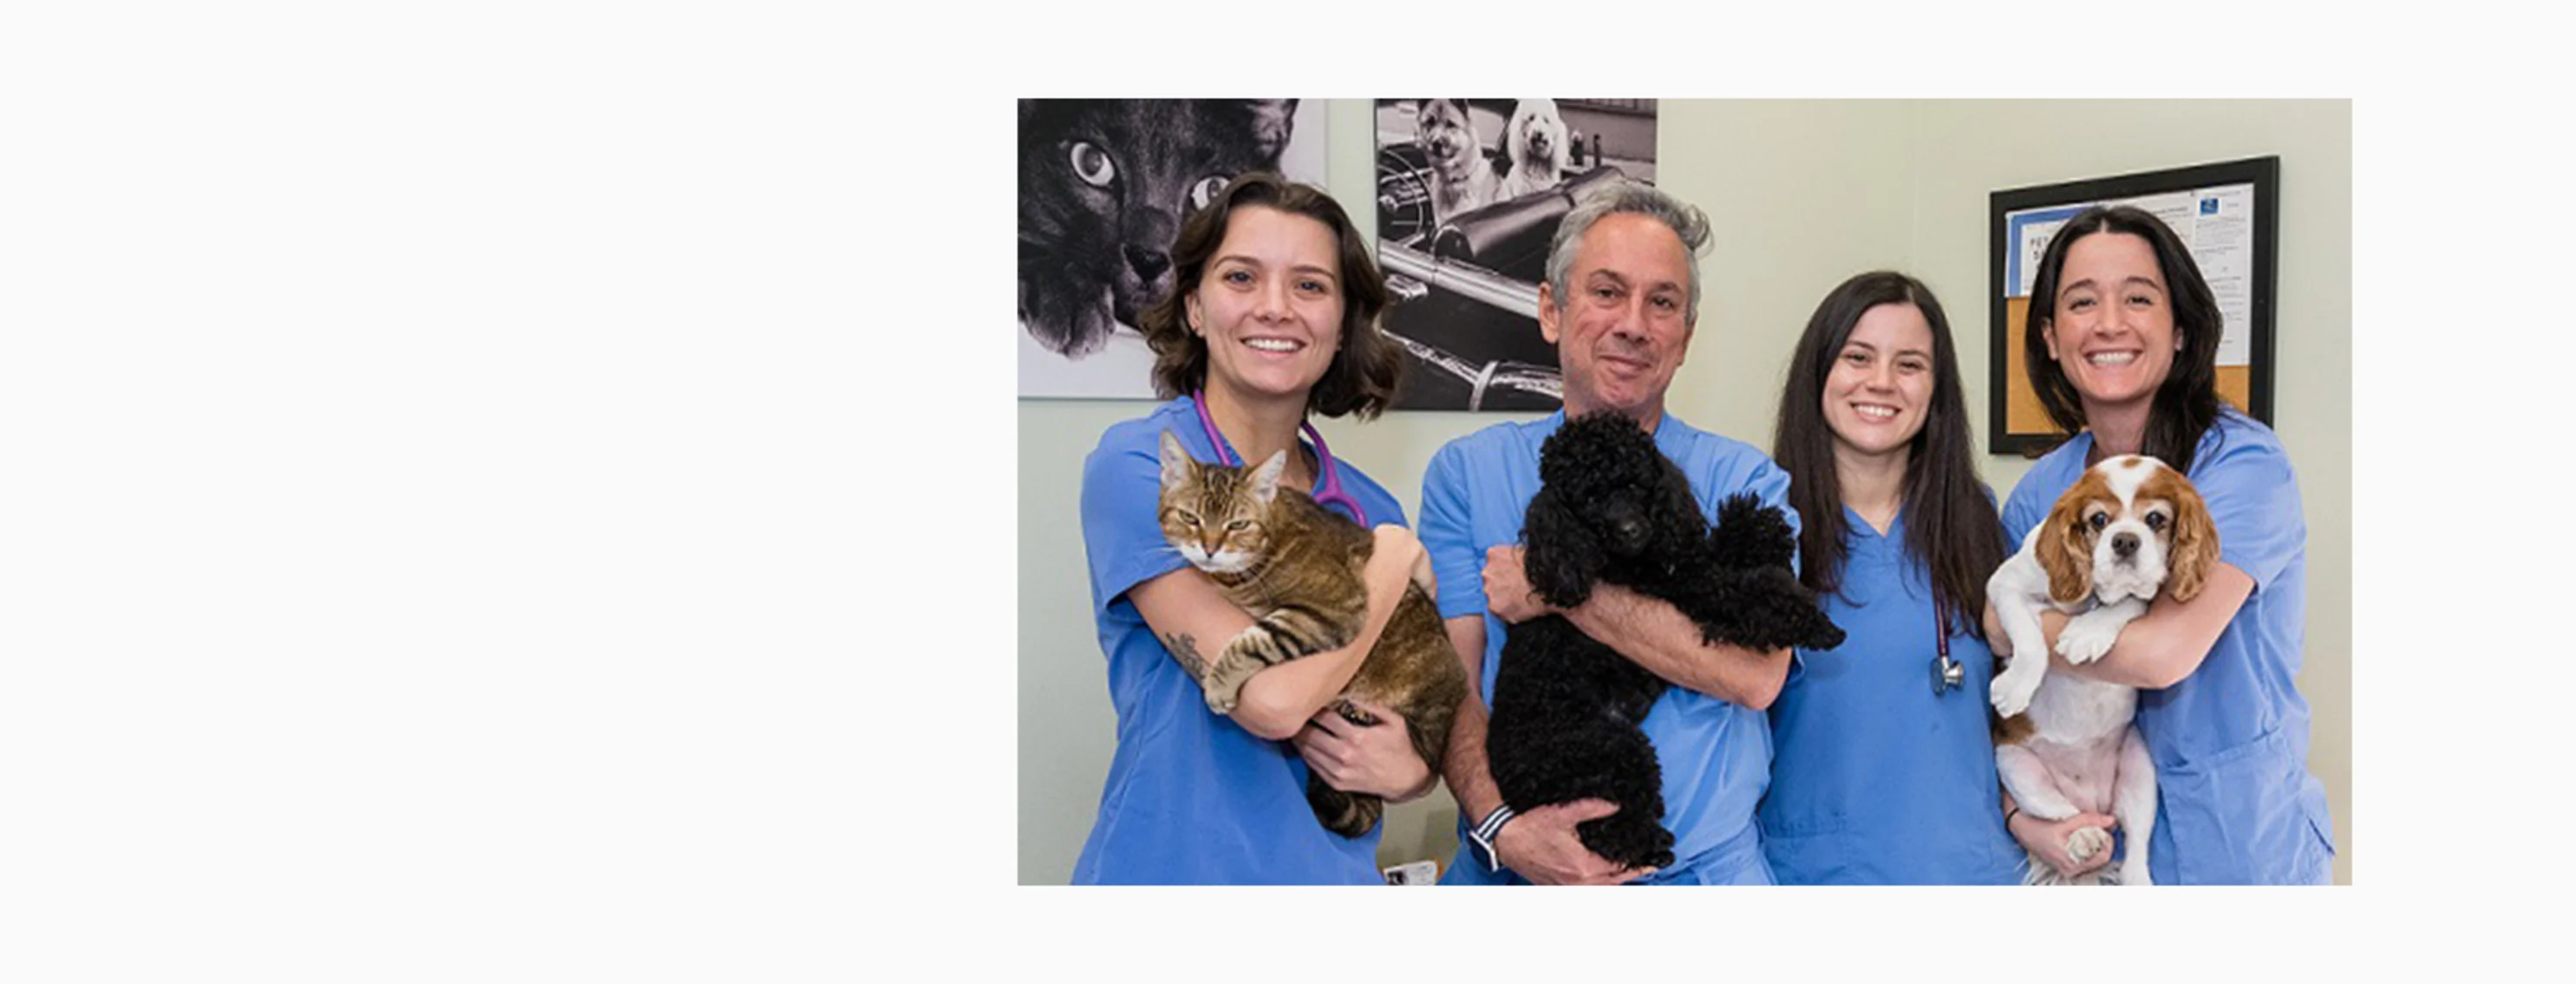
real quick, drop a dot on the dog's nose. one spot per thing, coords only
(1631, 531)
(2125, 545)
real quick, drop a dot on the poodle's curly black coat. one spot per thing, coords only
(1612, 509)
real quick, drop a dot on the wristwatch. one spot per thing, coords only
(1481, 838)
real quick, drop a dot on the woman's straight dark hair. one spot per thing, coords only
(1950, 520)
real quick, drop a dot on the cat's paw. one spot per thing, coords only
(1223, 685)
(1352, 713)
(1224, 702)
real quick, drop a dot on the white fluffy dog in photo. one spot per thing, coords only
(1536, 143)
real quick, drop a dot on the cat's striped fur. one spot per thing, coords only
(1295, 567)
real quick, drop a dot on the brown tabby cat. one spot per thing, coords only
(1296, 568)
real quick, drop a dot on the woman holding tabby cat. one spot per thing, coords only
(1272, 317)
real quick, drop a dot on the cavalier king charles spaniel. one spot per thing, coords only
(2130, 527)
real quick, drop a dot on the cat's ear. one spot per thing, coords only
(1272, 119)
(1265, 479)
(1175, 461)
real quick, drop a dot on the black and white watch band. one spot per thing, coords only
(1482, 837)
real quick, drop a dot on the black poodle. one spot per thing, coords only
(1612, 509)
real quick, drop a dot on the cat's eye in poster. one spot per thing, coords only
(1104, 186)
(1470, 192)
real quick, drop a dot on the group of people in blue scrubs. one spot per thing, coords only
(1869, 763)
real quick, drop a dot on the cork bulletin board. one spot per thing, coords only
(2227, 214)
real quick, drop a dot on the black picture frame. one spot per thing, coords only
(2262, 173)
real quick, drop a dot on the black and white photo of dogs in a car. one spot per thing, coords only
(2130, 528)
(1611, 509)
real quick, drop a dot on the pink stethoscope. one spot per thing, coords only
(1331, 496)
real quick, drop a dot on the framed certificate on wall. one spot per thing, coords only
(2227, 215)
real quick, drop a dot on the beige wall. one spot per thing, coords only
(1803, 194)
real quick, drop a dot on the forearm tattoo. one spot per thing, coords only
(1185, 648)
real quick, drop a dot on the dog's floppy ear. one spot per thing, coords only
(1563, 559)
(2195, 543)
(1680, 516)
(2065, 550)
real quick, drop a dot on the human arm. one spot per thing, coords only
(2160, 648)
(1193, 618)
(1648, 631)
(1540, 844)
(2245, 481)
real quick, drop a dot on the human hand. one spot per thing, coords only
(1541, 844)
(1507, 589)
(1377, 758)
(2073, 846)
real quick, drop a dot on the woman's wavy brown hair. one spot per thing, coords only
(1368, 369)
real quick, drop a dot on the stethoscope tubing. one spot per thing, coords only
(1331, 496)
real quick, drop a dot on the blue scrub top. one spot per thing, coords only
(2235, 802)
(1192, 798)
(1877, 780)
(1716, 756)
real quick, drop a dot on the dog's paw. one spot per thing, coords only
(2086, 639)
(2012, 692)
(2086, 842)
(2133, 871)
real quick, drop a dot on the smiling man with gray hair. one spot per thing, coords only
(1620, 304)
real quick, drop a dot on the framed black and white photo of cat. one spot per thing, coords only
(1104, 186)
(1470, 192)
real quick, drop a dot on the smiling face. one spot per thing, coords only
(1270, 306)
(1880, 388)
(1625, 329)
(2111, 328)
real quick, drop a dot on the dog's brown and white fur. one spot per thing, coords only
(1462, 179)
(2131, 526)
(1535, 143)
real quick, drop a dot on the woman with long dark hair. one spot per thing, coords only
(1883, 772)
(2122, 348)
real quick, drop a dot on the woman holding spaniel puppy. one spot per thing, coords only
(1883, 772)
(2131, 332)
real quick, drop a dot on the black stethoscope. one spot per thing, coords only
(1947, 673)
(1331, 496)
